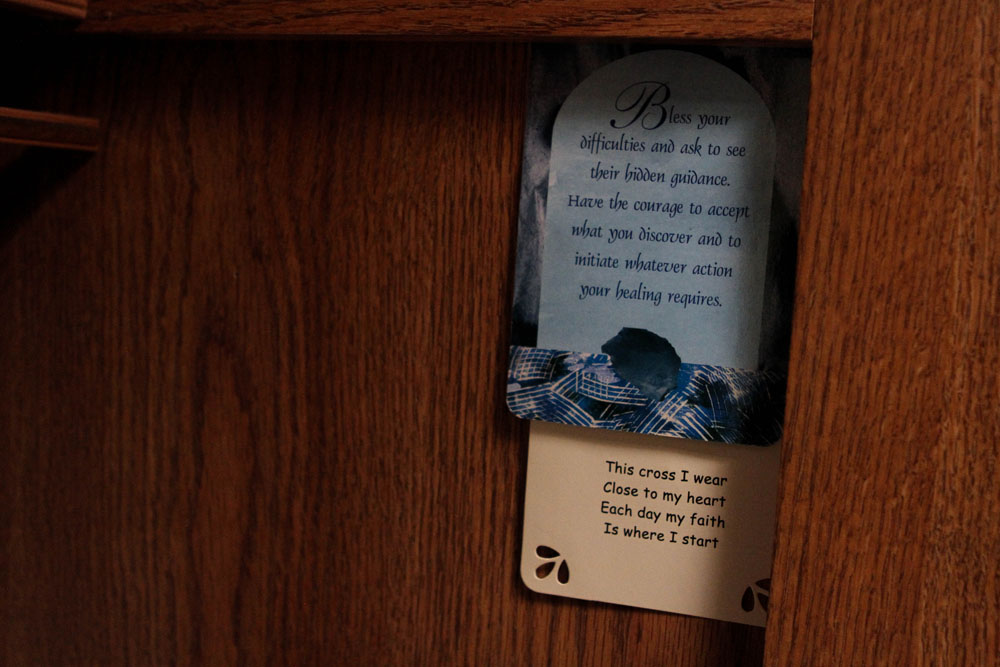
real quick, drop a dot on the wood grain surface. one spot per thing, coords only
(889, 523)
(72, 9)
(253, 350)
(743, 21)
(40, 128)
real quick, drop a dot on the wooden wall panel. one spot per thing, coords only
(758, 21)
(253, 350)
(889, 523)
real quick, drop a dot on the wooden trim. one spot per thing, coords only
(721, 21)
(74, 9)
(889, 518)
(37, 128)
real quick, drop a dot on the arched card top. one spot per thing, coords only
(658, 211)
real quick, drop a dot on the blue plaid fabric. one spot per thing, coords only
(713, 403)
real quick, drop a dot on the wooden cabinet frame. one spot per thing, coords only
(200, 324)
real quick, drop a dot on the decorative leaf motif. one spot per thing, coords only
(553, 559)
(763, 587)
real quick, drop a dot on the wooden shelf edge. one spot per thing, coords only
(71, 9)
(52, 130)
(778, 22)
